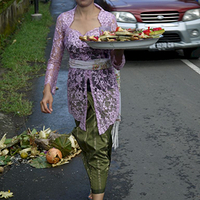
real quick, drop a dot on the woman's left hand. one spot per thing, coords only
(117, 54)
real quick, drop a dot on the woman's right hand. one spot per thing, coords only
(47, 100)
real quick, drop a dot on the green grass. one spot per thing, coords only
(22, 59)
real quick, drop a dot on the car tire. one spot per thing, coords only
(192, 53)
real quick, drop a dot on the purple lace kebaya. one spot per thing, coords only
(103, 82)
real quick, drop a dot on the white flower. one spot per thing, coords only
(6, 195)
(44, 133)
(73, 141)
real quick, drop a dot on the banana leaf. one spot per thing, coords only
(4, 160)
(8, 141)
(33, 132)
(108, 36)
(11, 141)
(124, 38)
(63, 144)
(40, 162)
(24, 140)
(125, 33)
(159, 32)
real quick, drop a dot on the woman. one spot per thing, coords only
(93, 93)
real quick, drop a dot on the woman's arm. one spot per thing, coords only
(117, 55)
(56, 55)
(47, 100)
(118, 58)
(53, 67)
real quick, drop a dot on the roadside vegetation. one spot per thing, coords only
(5, 3)
(22, 56)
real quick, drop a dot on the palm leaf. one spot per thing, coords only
(4, 160)
(63, 144)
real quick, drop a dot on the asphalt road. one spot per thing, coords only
(159, 154)
(160, 127)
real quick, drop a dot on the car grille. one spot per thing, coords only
(160, 17)
(170, 37)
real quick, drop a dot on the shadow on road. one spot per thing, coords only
(132, 55)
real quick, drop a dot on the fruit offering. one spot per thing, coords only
(125, 35)
(53, 155)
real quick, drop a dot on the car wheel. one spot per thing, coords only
(193, 53)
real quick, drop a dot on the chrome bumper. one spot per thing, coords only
(183, 29)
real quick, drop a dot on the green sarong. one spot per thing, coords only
(96, 149)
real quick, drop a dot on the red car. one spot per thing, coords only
(179, 18)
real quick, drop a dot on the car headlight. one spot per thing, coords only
(124, 17)
(191, 15)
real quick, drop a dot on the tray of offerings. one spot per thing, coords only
(135, 44)
(124, 39)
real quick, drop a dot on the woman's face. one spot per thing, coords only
(84, 3)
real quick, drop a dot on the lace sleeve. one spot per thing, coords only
(113, 23)
(56, 55)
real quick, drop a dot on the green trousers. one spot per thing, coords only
(96, 149)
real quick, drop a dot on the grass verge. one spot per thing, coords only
(22, 60)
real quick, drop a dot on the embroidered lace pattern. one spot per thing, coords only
(103, 82)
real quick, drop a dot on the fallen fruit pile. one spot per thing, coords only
(43, 149)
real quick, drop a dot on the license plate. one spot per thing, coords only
(162, 46)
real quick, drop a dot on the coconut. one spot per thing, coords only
(53, 156)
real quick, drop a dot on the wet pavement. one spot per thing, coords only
(67, 182)
(158, 157)
(59, 183)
